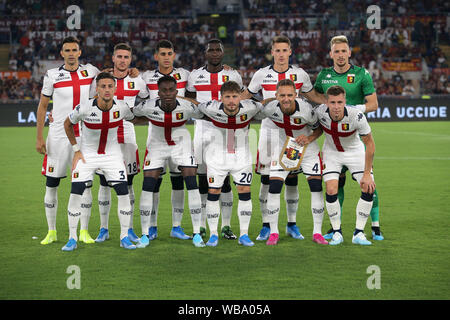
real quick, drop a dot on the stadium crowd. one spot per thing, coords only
(403, 37)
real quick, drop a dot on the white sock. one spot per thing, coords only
(86, 205)
(273, 211)
(291, 197)
(203, 197)
(317, 210)
(145, 208)
(362, 213)
(212, 213)
(51, 206)
(263, 192)
(74, 214)
(226, 203)
(195, 208)
(131, 197)
(154, 215)
(104, 205)
(177, 207)
(124, 212)
(334, 212)
(244, 214)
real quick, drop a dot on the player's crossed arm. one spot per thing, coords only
(304, 140)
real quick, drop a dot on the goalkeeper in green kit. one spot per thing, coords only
(361, 94)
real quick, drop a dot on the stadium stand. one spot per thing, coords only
(407, 56)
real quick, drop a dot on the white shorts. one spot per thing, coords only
(200, 144)
(334, 161)
(58, 158)
(130, 154)
(112, 167)
(240, 170)
(311, 166)
(175, 156)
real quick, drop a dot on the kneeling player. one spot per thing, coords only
(99, 150)
(170, 141)
(291, 117)
(343, 126)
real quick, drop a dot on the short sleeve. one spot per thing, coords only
(367, 84)
(190, 84)
(362, 124)
(307, 85)
(77, 114)
(140, 109)
(255, 84)
(318, 84)
(47, 87)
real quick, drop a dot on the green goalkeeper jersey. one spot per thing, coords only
(357, 83)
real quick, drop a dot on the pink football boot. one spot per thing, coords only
(318, 238)
(273, 239)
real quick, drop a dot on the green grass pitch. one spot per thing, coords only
(412, 172)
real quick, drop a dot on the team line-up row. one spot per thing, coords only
(216, 98)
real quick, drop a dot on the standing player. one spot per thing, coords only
(165, 56)
(68, 86)
(204, 85)
(265, 80)
(127, 89)
(344, 129)
(360, 93)
(293, 117)
(170, 140)
(99, 150)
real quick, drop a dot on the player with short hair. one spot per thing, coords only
(170, 140)
(99, 150)
(165, 56)
(228, 153)
(127, 89)
(68, 86)
(346, 134)
(265, 80)
(293, 117)
(360, 93)
(204, 85)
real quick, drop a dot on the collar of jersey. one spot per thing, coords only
(334, 70)
(205, 68)
(345, 114)
(62, 68)
(157, 104)
(94, 103)
(165, 74)
(271, 67)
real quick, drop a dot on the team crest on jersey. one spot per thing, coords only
(147, 162)
(225, 78)
(177, 76)
(345, 127)
(297, 120)
(350, 78)
(243, 117)
(116, 114)
(75, 175)
(84, 73)
(50, 169)
(130, 85)
(293, 77)
(211, 180)
(179, 115)
(274, 163)
(292, 154)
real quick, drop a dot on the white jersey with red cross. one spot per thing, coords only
(151, 78)
(67, 89)
(229, 134)
(100, 127)
(302, 122)
(266, 79)
(207, 84)
(343, 135)
(167, 127)
(127, 89)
